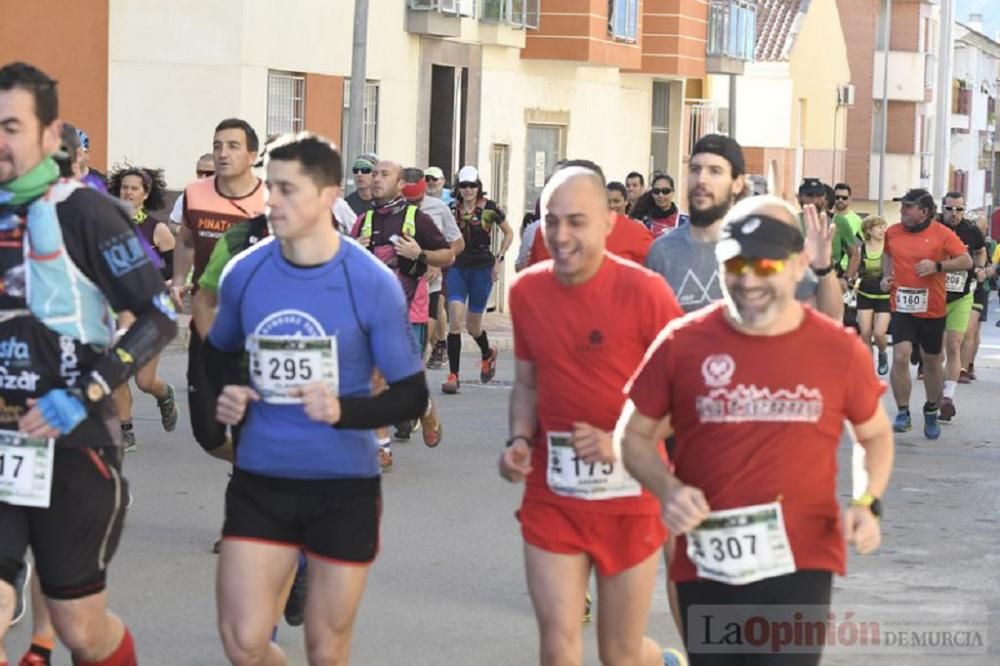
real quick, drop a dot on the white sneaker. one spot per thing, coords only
(22, 590)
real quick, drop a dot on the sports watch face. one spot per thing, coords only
(94, 392)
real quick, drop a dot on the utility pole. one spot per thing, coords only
(356, 108)
(884, 116)
(942, 134)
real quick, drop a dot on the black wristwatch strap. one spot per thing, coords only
(820, 272)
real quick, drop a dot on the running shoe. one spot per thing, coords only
(295, 607)
(128, 439)
(384, 457)
(437, 358)
(168, 410)
(588, 608)
(451, 386)
(674, 657)
(883, 363)
(947, 410)
(403, 430)
(903, 422)
(932, 429)
(431, 426)
(965, 377)
(489, 367)
(21, 590)
(34, 659)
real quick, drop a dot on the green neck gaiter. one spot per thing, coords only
(25, 189)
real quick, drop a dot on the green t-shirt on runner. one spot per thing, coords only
(233, 241)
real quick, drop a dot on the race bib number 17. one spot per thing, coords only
(25, 469)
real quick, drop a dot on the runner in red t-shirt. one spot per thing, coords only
(581, 509)
(916, 257)
(757, 412)
(629, 239)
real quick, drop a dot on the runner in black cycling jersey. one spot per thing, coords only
(58, 367)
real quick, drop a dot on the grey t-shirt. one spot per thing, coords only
(692, 271)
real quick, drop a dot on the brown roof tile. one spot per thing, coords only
(778, 23)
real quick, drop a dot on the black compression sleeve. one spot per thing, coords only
(145, 339)
(402, 401)
(222, 367)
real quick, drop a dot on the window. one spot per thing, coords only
(369, 134)
(659, 144)
(286, 102)
(623, 19)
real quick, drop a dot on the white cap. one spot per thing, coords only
(468, 174)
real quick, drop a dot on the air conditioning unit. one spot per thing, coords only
(845, 95)
(448, 6)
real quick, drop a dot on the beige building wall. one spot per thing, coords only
(176, 69)
(818, 65)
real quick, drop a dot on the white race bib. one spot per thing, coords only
(955, 282)
(740, 546)
(569, 476)
(279, 363)
(25, 469)
(911, 300)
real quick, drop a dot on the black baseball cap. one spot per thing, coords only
(759, 237)
(723, 146)
(918, 196)
(812, 187)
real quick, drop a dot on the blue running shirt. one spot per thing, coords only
(353, 298)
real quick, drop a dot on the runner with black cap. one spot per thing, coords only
(960, 287)
(757, 440)
(916, 257)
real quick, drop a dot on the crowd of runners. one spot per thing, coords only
(668, 401)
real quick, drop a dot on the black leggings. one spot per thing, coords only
(208, 432)
(808, 589)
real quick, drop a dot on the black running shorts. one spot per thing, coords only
(810, 590)
(876, 304)
(980, 304)
(335, 519)
(928, 334)
(75, 538)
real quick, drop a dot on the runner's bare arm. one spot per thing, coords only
(183, 260)
(829, 297)
(875, 435)
(819, 247)
(886, 272)
(515, 460)
(203, 305)
(637, 440)
(508, 238)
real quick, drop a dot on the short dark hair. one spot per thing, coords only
(659, 175)
(585, 164)
(253, 143)
(319, 159)
(953, 195)
(636, 174)
(615, 186)
(38, 83)
(843, 186)
(831, 197)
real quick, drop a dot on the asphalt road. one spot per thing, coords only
(448, 586)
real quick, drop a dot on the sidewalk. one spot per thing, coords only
(497, 324)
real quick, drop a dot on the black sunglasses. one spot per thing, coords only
(957, 209)
(204, 174)
(841, 197)
(431, 179)
(662, 190)
(467, 185)
(366, 171)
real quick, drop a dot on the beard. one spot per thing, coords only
(709, 216)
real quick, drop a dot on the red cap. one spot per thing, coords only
(414, 191)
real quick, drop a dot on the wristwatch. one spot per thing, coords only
(937, 265)
(510, 442)
(422, 257)
(870, 501)
(820, 272)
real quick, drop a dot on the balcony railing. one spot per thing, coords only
(518, 13)
(732, 29)
(702, 118)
